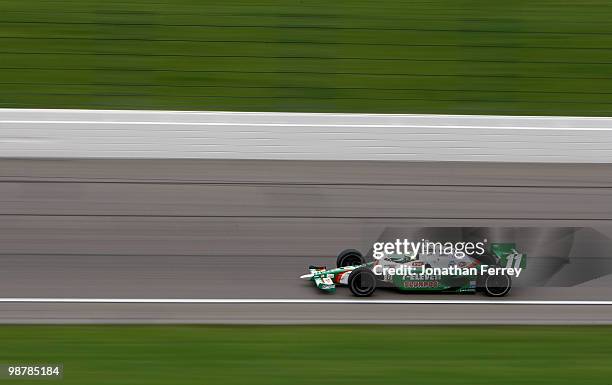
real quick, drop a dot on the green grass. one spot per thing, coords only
(318, 354)
(438, 56)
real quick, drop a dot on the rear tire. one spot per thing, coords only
(362, 282)
(496, 285)
(350, 257)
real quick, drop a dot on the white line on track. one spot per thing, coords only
(301, 136)
(356, 125)
(269, 113)
(300, 301)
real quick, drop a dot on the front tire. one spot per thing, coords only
(362, 282)
(350, 257)
(496, 285)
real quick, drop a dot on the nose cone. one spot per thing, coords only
(307, 276)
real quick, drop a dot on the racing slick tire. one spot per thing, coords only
(350, 257)
(362, 282)
(496, 285)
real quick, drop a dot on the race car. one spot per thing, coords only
(422, 272)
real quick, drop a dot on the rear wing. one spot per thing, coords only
(508, 255)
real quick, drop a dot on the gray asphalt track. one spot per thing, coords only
(229, 277)
(247, 229)
(304, 314)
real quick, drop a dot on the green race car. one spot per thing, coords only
(489, 273)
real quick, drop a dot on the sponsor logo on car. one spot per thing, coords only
(420, 284)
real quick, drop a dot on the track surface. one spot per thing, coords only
(304, 314)
(247, 229)
(223, 277)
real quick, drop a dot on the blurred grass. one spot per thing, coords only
(484, 355)
(444, 56)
